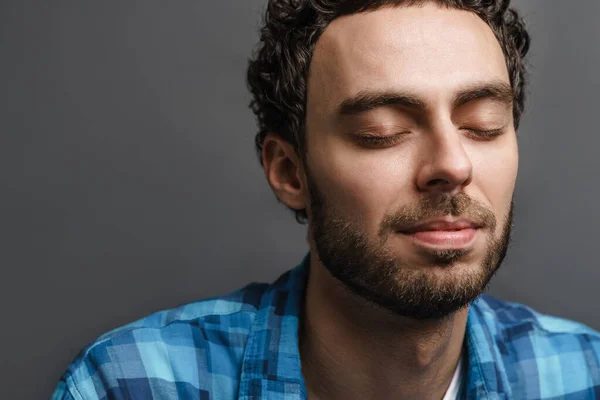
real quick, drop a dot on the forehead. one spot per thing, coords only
(430, 50)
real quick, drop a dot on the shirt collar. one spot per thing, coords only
(486, 376)
(271, 368)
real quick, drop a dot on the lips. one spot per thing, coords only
(443, 234)
(441, 225)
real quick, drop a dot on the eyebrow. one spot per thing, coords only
(367, 100)
(498, 90)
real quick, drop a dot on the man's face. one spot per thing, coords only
(411, 156)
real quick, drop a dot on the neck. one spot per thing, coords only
(351, 349)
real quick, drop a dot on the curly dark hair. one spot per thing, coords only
(277, 72)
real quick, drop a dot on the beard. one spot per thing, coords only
(369, 268)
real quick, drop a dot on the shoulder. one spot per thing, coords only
(186, 349)
(511, 318)
(538, 352)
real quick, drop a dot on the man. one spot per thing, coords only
(390, 126)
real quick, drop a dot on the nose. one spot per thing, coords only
(446, 166)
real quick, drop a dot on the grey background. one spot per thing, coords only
(130, 183)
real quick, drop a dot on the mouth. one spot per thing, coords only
(444, 234)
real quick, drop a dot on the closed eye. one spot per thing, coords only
(478, 134)
(378, 142)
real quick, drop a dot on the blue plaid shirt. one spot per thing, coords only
(245, 346)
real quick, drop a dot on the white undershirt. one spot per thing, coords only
(452, 392)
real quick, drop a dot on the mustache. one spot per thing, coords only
(439, 205)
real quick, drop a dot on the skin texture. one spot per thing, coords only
(352, 347)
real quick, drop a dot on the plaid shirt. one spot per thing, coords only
(245, 346)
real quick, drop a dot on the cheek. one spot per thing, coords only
(495, 174)
(363, 185)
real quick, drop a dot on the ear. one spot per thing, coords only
(284, 171)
